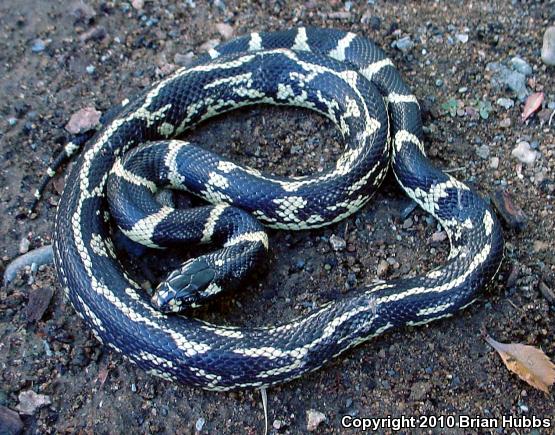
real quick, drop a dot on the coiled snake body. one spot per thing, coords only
(339, 74)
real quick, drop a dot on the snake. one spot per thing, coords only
(338, 74)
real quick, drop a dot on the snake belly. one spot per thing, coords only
(194, 352)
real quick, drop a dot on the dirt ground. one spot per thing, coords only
(58, 57)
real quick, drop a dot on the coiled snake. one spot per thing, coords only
(339, 74)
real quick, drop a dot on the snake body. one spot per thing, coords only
(339, 74)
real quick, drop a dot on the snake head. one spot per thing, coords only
(185, 287)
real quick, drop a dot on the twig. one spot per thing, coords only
(39, 256)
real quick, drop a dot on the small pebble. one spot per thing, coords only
(12, 121)
(383, 267)
(83, 120)
(540, 245)
(483, 151)
(38, 46)
(505, 77)
(524, 153)
(39, 300)
(277, 424)
(184, 59)
(506, 103)
(419, 390)
(337, 243)
(211, 43)
(314, 419)
(520, 65)
(548, 47)
(547, 292)
(200, 424)
(439, 236)
(225, 30)
(90, 69)
(462, 37)
(494, 163)
(404, 44)
(505, 123)
(137, 4)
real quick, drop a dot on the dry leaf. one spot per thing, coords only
(528, 362)
(533, 103)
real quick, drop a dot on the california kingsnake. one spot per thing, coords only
(339, 74)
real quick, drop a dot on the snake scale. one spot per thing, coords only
(341, 75)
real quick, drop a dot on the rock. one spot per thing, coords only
(505, 123)
(439, 236)
(494, 163)
(524, 153)
(383, 267)
(506, 103)
(374, 21)
(339, 15)
(337, 243)
(39, 299)
(419, 390)
(225, 30)
(483, 151)
(24, 245)
(83, 120)
(29, 402)
(511, 213)
(547, 292)
(38, 46)
(520, 65)
(10, 423)
(138, 4)
(540, 245)
(184, 59)
(211, 43)
(462, 37)
(548, 47)
(314, 419)
(278, 424)
(199, 424)
(505, 77)
(404, 44)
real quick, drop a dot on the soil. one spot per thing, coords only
(58, 57)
